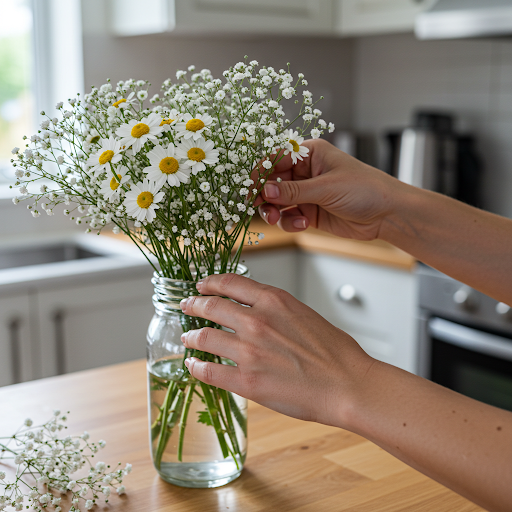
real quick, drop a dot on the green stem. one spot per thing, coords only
(214, 415)
(183, 421)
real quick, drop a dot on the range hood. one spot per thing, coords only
(452, 19)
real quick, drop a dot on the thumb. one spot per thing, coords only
(288, 193)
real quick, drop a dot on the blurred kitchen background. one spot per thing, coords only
(431, 109)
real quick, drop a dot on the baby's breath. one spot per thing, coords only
(45, 460)
(185, 161)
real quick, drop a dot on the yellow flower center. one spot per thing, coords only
(295, 146)
(94, 139)
(166, 121)
(196, 154)
(145, 199)
(117, 103)
(194, 125)
(115, 183)
(106, 156)
(139, 130)
(169, 165)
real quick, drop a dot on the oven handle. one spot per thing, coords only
(471, 339)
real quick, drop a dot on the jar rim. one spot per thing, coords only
(241, 270)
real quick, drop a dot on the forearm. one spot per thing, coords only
(463, 444)
(468, 244)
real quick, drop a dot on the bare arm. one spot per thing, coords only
(339, 194)
(292, 360)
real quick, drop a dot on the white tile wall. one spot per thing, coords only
(394, 75)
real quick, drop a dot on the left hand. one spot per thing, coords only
(288, 357)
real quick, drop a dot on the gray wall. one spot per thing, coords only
(395, 74)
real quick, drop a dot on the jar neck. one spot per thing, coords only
(170, 292)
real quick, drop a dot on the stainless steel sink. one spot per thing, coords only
(22, 257)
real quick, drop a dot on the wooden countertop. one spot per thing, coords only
(291, 466)
(316, 241)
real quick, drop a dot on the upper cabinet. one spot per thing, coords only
(365, 17)
(298, 17)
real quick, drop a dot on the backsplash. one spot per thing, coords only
(395, 74)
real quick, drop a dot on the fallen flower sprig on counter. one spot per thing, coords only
(45, 459)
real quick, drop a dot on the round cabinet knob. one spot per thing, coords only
(504, 310)
(348, 293)
(465, 297)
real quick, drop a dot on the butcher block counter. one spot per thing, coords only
(291, 465)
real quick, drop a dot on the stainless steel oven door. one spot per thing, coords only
(471, 361)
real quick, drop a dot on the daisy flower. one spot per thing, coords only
(198, 153)
(171, 119)
(109, 153)
(141, 201)
(124, 102)
(193, 127)
(136, 133)
(110, 187)
(165, 167)
(293, 146)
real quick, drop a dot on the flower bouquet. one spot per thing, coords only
(178, 173)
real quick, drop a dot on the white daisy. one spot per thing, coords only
(293, 146)
(141, 201)
(136, 133)
(165, 167)
(198, 153)
(170, 119)
(110, 187)
(109, 153)
(125, 102)
(193, 127)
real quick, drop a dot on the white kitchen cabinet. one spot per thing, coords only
(16, 333)
(377, 307)
(222, 17)
(364, 17)
(93, 325)
(274, 267)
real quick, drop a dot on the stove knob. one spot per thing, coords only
(347, 293)
(504, 310)
(466, 298)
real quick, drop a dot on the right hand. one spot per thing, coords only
(328, 190)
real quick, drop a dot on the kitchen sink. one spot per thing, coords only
(22, 257)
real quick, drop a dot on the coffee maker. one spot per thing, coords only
(431, 155)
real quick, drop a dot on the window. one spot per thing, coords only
(16, 97)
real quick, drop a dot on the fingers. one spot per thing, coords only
(220, 375)
(293, 220)
(239, 288)
(221, 311)
(214, 341)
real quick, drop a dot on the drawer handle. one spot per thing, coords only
(348, 294)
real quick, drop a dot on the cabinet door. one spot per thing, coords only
(222, 16)
(94, 325)
(277, 268)
(377, 306)
(16, 348)
(361, 17)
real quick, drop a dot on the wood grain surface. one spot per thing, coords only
(291, 466)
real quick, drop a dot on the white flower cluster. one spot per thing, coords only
(180, 175)
(39, 453)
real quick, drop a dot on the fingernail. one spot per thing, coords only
(271, 191)
(188, 361)
(183, 304)
(264, 214)
(199, 285)
(184, 337)
(299, 223)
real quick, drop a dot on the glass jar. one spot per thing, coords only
(198, 433)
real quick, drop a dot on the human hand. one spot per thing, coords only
(288, 357)
(328, 190)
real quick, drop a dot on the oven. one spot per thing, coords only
(465, 339)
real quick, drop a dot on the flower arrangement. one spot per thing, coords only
(45, 459)
(178, 173)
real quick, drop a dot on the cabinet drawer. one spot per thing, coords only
(381, 313)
